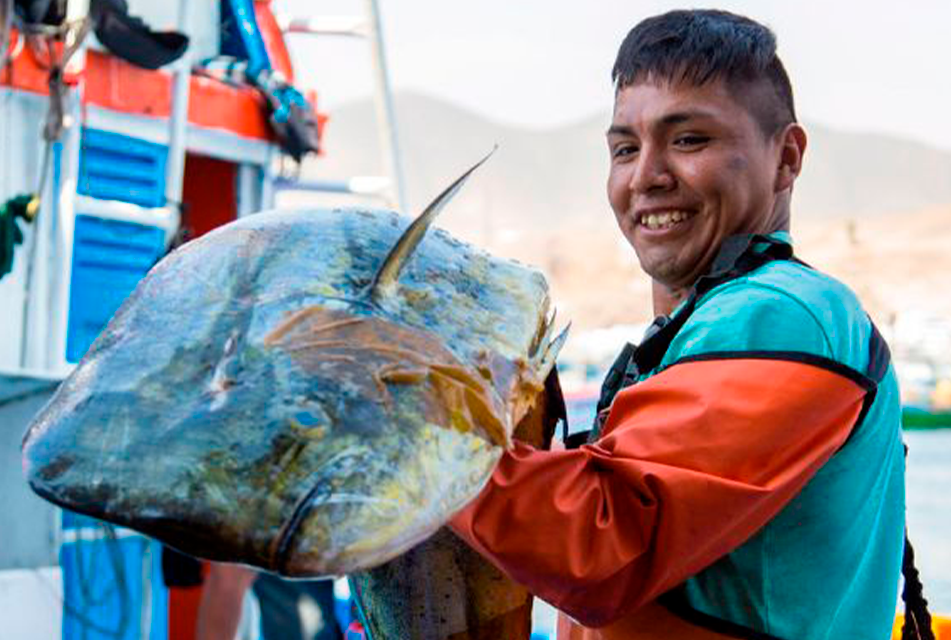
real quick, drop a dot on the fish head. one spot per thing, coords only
(252, 402)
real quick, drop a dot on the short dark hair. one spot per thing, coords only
(702, 45)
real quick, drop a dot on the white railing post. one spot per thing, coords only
(386, 114)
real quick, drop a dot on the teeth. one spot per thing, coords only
(665, 219)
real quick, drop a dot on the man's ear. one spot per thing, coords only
(792, 148)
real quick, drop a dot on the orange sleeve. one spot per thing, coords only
(690, 464)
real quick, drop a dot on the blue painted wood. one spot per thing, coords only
(116, 167)
(109, 259)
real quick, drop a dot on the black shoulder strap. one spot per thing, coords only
(879, 358)
(615, 378)
(738, 256)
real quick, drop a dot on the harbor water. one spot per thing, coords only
(928, 495)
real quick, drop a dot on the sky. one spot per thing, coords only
(856, 65)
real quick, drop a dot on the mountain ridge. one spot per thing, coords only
(871, 209)
(536, 171)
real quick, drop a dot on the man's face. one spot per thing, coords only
(689, 167)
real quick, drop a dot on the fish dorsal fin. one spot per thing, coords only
(384, 282)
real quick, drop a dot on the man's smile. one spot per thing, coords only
(660, 220)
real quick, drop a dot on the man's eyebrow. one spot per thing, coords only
(620, 130)
(676, 117)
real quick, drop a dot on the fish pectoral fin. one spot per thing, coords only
(471, 403)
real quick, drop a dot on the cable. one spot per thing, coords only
(88, 598)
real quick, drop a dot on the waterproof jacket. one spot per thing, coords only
(748, 484)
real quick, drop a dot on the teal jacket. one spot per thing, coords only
(748, 473)
(828, 565)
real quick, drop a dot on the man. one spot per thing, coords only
(746, 480)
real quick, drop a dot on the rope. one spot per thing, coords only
(71, 35)
(917, 619)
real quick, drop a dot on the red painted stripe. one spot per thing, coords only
(115, 84)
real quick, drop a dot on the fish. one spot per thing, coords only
(309, 392)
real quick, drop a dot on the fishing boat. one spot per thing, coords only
(125, 129)
(925, 418)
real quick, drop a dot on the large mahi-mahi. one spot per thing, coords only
(310, 392)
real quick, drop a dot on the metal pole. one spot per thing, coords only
(386, 118)
(34, 349)
(178, 123)
(65, 224)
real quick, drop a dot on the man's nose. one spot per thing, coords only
(652, 172)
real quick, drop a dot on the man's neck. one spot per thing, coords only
(666, 299)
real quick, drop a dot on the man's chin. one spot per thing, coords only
(670, 275)
(663, 270)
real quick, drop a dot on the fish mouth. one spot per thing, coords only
(341, 525)
(284, 543)
(291, 544)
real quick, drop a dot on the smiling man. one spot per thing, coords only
(691, 164)
(745, 476)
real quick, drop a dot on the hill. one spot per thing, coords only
(871, 209)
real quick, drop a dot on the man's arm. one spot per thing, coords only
(691, 463)
(222, 598)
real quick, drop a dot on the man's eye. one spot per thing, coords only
(691, 141)
(624, 150)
